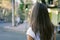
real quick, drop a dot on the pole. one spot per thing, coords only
(13, 12)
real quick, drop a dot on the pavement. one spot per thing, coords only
(7, 32)
(21, 27)
(11, 35)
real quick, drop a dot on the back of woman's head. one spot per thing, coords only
(40, 21)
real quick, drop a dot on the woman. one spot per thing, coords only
(41, 26)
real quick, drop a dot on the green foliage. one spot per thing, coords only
(58, 17)
(50, 14)
(21, 11)
(21, 7)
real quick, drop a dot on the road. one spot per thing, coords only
(12, 35)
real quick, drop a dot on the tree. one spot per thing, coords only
(21, 11)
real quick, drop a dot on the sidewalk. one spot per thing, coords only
(20, 28)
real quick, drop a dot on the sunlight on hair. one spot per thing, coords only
(49, 10)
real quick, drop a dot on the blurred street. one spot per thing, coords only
(5, 34)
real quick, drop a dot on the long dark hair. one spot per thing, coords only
(41, 22)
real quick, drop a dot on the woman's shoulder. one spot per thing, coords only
(30, 32)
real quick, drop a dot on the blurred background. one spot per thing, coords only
(15, 14)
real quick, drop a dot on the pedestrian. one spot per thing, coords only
(41, 28)
(17, 19)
